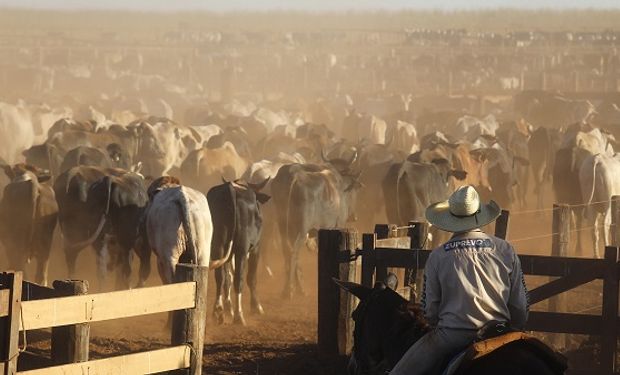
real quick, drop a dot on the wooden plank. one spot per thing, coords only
(107, 306)
(540, 265)
(561, 285)
(559, 266)
(335, 329)
(32, 291)
(401, 257)
(560, 226)
(9, 330)
(564, 323)
(70, 343)
(368, 258)
(501, 225)
(176, 357)
(4, 302)
(188, 326)
(611, 289)
(395, 243)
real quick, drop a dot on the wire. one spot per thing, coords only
(533, 237)
(533, 211)
(557, 233)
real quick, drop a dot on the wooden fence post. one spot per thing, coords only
(335, 327)
(382, 231)
(368, 258)
(9, 327)
(418, 233)
(70, 343)
(615, 220)
(501, 225)
(559, 248)
(188, 326)
(609, 343)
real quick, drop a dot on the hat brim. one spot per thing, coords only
(439, 215)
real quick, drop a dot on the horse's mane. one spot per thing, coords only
(413, 314)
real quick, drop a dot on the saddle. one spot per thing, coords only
(495, 335)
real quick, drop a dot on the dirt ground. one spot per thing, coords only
(283, 341)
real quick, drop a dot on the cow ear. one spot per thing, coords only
(360, 291)
(262, 198)
(391, 281)
(458, 174)
(440, 162)
(44, 177)
(137, 168)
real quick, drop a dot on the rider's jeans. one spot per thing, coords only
(430, 354)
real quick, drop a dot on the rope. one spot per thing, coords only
(23, 349)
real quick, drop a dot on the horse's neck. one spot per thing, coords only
(400, 338)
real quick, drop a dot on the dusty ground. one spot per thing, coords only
(283, 340)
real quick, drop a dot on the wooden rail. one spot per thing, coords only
(105, 306)
(70, 317)
(174, 358)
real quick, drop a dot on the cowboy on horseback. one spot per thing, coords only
(469, 281)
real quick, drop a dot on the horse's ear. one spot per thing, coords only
(358, 290)
(391, 281)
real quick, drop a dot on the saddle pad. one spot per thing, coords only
(482, 348)
(557, 362)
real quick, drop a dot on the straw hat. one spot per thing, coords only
(462, 211)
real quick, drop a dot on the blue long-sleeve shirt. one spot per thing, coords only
(472, 279)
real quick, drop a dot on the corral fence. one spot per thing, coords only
(68, 309)
(343, 257)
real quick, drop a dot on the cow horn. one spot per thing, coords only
(324, 157)
(258, 187)
(353, 158)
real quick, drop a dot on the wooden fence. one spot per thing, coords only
(339, 257)
(68, 310)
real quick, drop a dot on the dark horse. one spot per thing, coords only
(386, 325)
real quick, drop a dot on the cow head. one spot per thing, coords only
(114, 152)
(148, 145)
(444, 166)
(343, 166)
(160, 184)
(260, 197)
(24, 172)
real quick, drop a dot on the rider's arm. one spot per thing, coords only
(431, 294)
(518, 303)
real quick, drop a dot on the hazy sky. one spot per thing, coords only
(317, 5)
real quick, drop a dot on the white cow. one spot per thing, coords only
(471, 128)
(264, 169)
(179, 228)
(599, 177)
(43, 117)
(16, 132)
(406, 138)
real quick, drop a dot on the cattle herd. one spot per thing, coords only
(147, 151)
